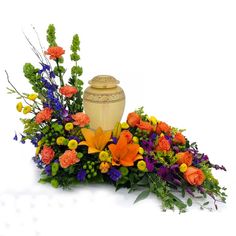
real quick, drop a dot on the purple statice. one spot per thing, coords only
(48, 170)
(15, 137)
(114, 174)
(153, 137)
(114, 139)
(163, 172)
(65, 113)
(147, 145)
(75, 138)
(149, 164)
(81, 175)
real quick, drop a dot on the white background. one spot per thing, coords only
(176, 58)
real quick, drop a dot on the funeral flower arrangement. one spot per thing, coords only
(141, 153)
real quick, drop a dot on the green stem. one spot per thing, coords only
(59, 71)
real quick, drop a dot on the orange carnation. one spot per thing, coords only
(69, 158)
(133, 119)
(179, 138)
(163, 127)
(184, 157)
(68, 91)
(55, 52)
(47, 154)
(194, 176)
(127, 134)
(80, 119)
(145, 126)
(44, 115)
(163, 144)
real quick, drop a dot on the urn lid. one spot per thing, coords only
(104, 81)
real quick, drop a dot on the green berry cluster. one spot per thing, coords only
(91, 169)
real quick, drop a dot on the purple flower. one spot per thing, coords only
(147, 145)
(114, 139)
(163, 172)
(75, 138)
(81, 175)
(15, 137)
(149, 164)
(153, 136)
(114, 174)
(48, 169)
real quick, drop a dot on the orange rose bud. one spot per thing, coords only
(185, 157)
(143, 125)
(55, 52)
(163, 127)
(47, 154)
(127, 134)
(133, 119)
(194, 176)
(68, 91)
(179, 138)
(163, 144)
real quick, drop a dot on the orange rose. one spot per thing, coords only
(127, 134)
(80, 119)
(179, 138)
(69, 158)
(133, 119)
(143, 125)
(68, 91)
(44, 115)
(55, 52)
(184, 157)
(163, 127)
(47, 154)
(194, 176)
(163, 144)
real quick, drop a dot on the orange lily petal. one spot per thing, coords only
(89, 136)
(92, 150)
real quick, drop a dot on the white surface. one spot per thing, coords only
(176, 58)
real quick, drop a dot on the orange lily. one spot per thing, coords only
(123, 153)
(95, 140)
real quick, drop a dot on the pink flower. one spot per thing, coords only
(80, 119)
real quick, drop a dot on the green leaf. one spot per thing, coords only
(189, 202)
(142, 195)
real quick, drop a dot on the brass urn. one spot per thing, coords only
(104, 102)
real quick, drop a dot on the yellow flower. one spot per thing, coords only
(153, 120)
(104, 167)
(73, 144)
(60, 140)
(140, 150)
(142, 165)
(95, 140)
(124, 125)
(162, 135)
(183, 167)
(27, 109)
(69, 126)
(19, 106)
(39, 143)
(103, 155)
(109, 159)
(32, 96)
(37, 150)
(135, 139)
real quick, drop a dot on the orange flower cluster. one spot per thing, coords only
(55, 52)
(68, 91)
(47, 154)
(68, 158)
(44, 115)
(80, 119)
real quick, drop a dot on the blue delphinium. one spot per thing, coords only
(81, 175)
(114, 174)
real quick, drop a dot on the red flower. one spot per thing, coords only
(55, 52)
(163, 127)
(179, 138)
(133, 119)
(47, 154)
(68, 91)
(163, 144)
(143, 125)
